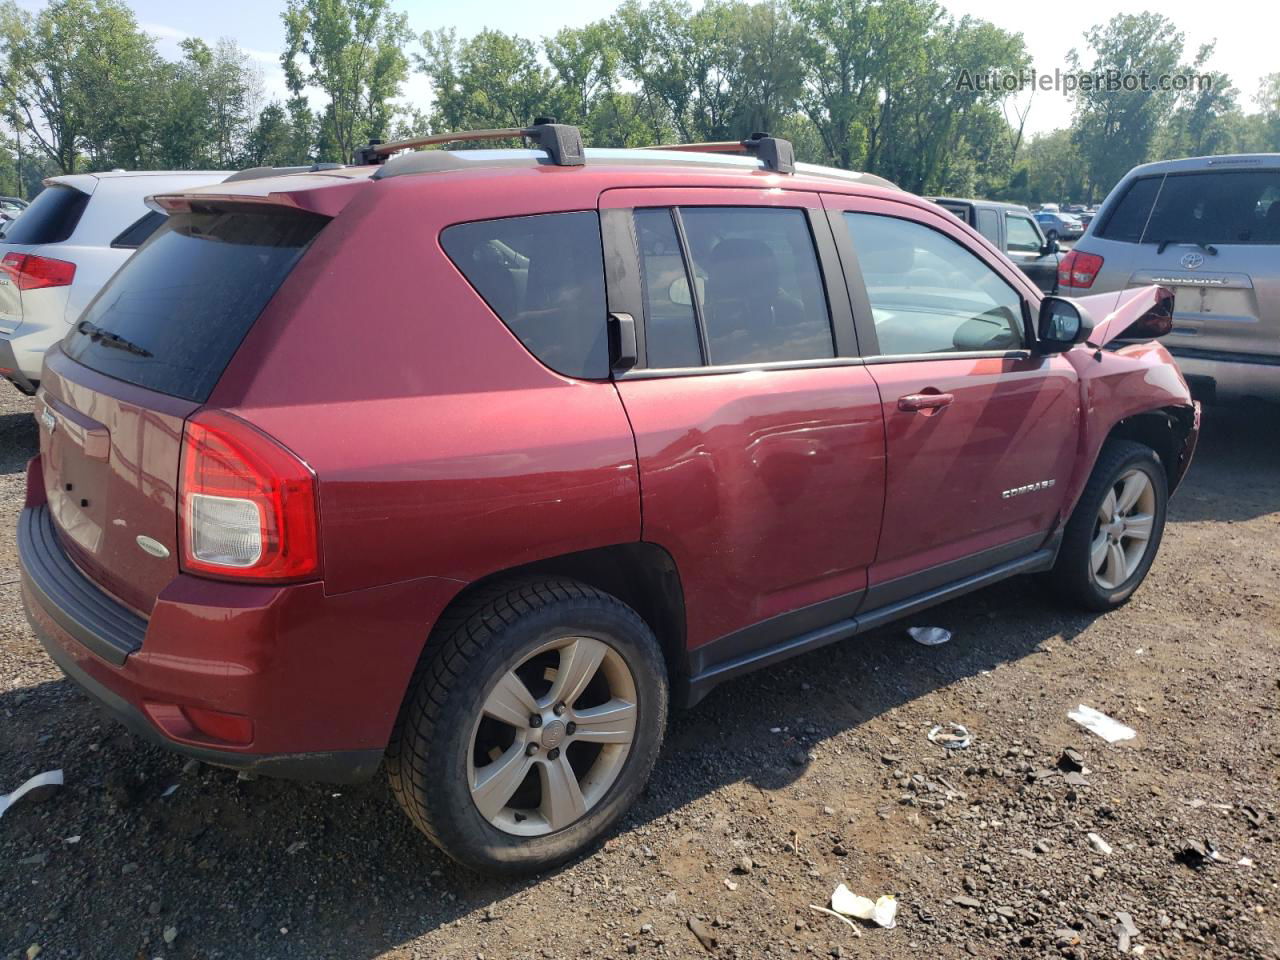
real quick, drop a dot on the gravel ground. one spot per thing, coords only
(768, 794)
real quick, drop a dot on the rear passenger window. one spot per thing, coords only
(989, 225)
(757, 284)
(928, 293)
(544, 277)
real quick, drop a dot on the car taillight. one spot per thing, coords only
(30, 272)
(248, 505)
(1079, 269)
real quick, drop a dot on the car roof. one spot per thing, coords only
(88, 182)
(1232, 161)
(318, 188)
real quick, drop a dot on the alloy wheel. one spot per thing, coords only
(1122, 531)
(552, 736)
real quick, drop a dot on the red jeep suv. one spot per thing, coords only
(471, 462)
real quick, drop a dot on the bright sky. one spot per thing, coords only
(1244, 51)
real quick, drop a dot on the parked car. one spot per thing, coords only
(1011, 228)
(10, 207)
(1047, 208)
(474, 475)
(1209, 227)
(64, 247)
(1059, 226)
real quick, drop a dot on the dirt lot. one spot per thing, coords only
(819, 772)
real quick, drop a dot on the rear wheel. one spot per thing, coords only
(1113, 534)
(532, 726)
(1051, 235)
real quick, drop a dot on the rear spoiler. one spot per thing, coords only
(323, 195)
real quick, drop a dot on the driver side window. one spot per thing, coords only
(928, 293)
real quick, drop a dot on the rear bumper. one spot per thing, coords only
(1232, 374)
(319, 678)
(11, 369)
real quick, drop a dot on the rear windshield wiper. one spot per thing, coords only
(1206, 247)
(113, 340)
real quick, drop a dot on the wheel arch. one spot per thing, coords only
(1165, 430)
(641, 574)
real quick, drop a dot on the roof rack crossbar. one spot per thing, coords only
(561, 141)
(776, 153)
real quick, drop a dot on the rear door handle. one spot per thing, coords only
(925, 401)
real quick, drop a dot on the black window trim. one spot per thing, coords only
(116, 243)
(624, 296)
(862, 302)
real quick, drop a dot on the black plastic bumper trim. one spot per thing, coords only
(102, 624)
(325, 766)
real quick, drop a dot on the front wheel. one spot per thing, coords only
(531, 726)
(1113, 534)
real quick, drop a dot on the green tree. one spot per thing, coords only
(493, 79)
(80, 78)
(1116, 129)
(353, 51)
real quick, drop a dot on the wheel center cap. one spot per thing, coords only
(552, 734)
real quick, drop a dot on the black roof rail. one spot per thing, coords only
(777, 154)
(561, 141)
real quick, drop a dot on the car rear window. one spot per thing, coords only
(543, 276)
(173, 316)
(51, 217)
(1217, 206)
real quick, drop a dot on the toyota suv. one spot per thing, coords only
(1209, 228)
(616, 426)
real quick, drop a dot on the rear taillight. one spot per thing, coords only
(1079, 269)
(30, 272)
(248, 505)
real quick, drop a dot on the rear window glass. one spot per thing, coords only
(1127, 220)
(1217, 207)
(51, 218)
(173, 316)
(544, 277)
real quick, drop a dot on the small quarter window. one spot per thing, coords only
(543, 276)
(135, 235)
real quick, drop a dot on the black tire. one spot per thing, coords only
(1072, 575)
(471, 648)
(1051, 235)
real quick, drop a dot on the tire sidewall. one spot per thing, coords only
(1147, 461)
(477, 842)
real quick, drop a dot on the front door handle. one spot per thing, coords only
(925, 401)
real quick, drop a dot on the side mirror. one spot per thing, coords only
(1050, 246)
(1063, 324)
(1156, 322)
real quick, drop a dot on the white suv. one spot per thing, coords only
(61, 250)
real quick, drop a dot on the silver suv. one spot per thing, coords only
(1209, 228)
